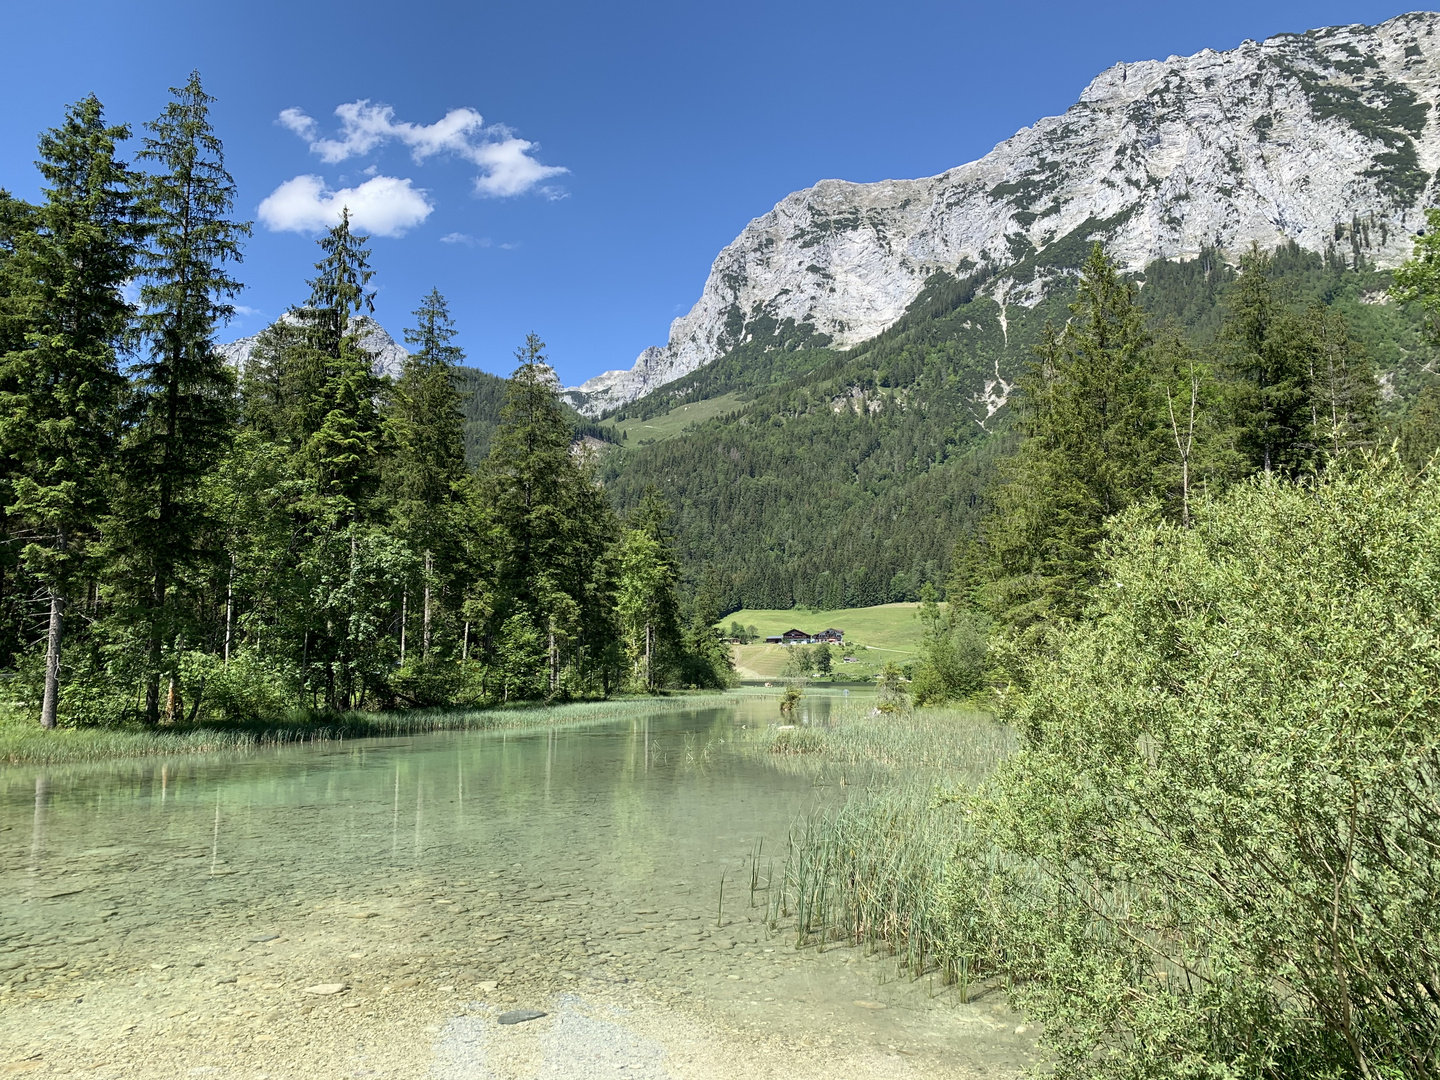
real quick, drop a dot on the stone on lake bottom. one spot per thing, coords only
(326, 989)
(520, 1016)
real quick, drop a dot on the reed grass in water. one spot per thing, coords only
(891, 868)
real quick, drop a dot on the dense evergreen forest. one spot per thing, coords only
(183, 542)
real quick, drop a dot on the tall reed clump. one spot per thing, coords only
(894, 869)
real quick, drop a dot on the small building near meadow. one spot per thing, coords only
(791, 637)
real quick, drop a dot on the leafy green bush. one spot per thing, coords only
(250, 687)
(1228, 789)
(952, 655)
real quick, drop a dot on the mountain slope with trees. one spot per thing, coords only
(846, 478)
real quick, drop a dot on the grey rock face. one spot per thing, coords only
(389, 355)
(1324, 137)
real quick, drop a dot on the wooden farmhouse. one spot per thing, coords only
(803, 637)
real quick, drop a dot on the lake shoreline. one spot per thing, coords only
(24, 744)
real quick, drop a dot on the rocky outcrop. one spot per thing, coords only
(1327, 137)
(389, 356)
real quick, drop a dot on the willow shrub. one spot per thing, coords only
(1228, 787)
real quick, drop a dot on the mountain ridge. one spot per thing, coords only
(1324, 138)
(389, 355)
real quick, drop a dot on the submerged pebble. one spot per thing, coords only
(520, 1016)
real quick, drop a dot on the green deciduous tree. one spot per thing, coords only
(1226, 801)
(953, 649)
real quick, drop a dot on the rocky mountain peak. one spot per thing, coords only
(1326, 137)
(389, 355)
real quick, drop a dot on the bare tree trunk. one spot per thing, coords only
(649, 668)
(1185, 445)
(152, 685)
(152, 696)
(425, 621)
(465, 642)
(554, 661)
(51, 704)
(174, 703)
(229, 609)
(404, 613)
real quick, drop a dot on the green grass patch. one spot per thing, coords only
(638, 432)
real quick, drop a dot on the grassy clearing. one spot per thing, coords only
(894, 627)
(22, 743)
(874, 636)
(880, 871)
(667, 425)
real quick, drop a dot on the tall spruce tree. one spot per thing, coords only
(62, 389)
(182, 410)
(1270, 356)
(1302, 389)
(16, 218)
(336, 389)
(1092, 442)
(551, 527)
(426, 431)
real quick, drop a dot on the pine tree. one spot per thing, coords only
(1270, 357)
(529, 472)
(1092, 441)
(183, 393)
(17, 217)
(63, 387)
(425, 428)
(549, 529)
(1344, 394)
(336, 390)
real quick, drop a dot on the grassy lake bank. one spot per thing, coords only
(24, 743)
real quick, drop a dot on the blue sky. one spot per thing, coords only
(675, 124)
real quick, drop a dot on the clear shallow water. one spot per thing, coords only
(187, 903)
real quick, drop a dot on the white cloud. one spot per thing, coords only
(505, 159)
(466, 239)
(246, 311)
(298, 122)
(384, 205)
(509, 168)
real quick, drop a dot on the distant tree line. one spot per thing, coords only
(182, 541)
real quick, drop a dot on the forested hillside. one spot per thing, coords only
(845, 478)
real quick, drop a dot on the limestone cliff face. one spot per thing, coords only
(389, 356)
(1324, 137)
